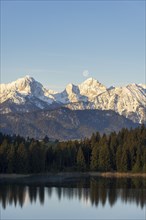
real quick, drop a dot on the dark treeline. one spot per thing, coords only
(96, 191)
(123, 151)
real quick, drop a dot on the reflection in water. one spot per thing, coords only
(94, 190)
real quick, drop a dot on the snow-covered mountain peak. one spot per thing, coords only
(71, 94)
(127, 100)
(28, 77)
(90, 81)
(24, 80)
(71, 88)
(91, 87)
(20, 85)
(24, 87)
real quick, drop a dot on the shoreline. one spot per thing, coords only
(64, 176)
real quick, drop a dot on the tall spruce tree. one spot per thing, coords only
(3, 156)
(11, 159)
(94, 165)
(104, 155)
(22, 158)
(118, 158)
(124, 161)
(80, 160)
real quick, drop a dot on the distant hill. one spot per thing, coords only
(63, 123)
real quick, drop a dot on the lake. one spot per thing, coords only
(81, 198)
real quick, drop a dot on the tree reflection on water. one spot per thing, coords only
(95, 190)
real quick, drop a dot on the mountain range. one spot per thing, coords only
(23, 98)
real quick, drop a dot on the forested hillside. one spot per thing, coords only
(75, 124)
(123, 152)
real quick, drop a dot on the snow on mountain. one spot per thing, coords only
(91, 88)
(84, 92)
(23, 88)
(142, 85)
(71, 94)
(129, 101)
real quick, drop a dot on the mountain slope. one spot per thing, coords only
(63, 123)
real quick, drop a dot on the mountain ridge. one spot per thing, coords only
(26, 95)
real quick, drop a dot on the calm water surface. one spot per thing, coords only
(94, 198)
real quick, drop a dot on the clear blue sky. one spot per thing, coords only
(55, 42)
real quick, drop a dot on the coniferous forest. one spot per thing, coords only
(124, 151)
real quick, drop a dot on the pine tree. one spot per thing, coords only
(118, 159)
(3, 156)
(22, 158)
(94, 165)
(81, 159)
(104, 155)
(37, 157)
(11, 159)
(113, 148)
(144, 160)
(124, 161)
(138, 164)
